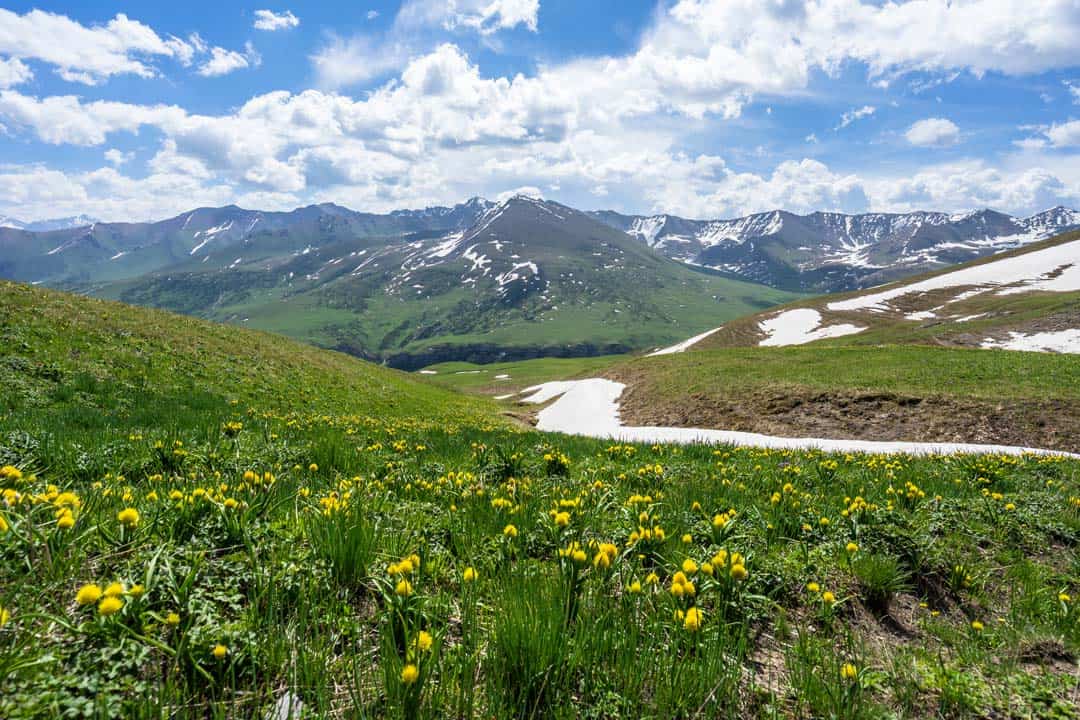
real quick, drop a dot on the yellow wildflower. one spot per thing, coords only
(409, 674)
(128, 517)
(88, 594)
(110, 605)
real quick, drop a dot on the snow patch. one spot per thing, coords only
(800, 326)
(680, 347)
(208, 235)
(591, 408)
(1060, 341)
(1052, 269)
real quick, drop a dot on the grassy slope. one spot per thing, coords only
(287, 568)
(956, 372)
(884, 392)
(483, 379)
(104, 365)
(609, 311)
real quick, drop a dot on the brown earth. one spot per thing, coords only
(795, 412)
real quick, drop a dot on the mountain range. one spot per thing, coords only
(831, 252)
(75, 221)
(485, 280)
(1023, 299)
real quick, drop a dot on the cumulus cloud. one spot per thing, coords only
(1065, 135)
(855, 114)
(223, 62)
(355, 59)
(933, 132)
(526, 190)
(1074, 90)
(13, 72)
(971, 184)
(92, 54)
(116, 158)
(271, 21)
(611, 128)
(483, 16)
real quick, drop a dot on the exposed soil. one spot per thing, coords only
(1051, 424)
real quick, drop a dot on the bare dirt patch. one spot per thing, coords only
(796, 412)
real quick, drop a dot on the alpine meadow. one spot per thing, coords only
(418, 359)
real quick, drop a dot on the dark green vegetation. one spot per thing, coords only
(478, 282)
(277, 524)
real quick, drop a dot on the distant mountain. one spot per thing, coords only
(483, 280)
(1024, 299)
(115, 251)
(830, 252)
(477, 281)
(45, 225)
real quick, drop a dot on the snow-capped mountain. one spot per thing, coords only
(67, 223)
(1019, 300)
(829, 252)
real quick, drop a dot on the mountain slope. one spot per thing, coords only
(831, 252)
(1026, 299)
(213, 237)
(526, 278)
(100, 365)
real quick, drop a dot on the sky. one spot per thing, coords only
(699, 108)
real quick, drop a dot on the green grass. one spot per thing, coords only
(379, 547)
(484, 379)
(910, 370)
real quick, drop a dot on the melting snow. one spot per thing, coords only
(591, 408)
(429, 372)
(208, 235)
(796, 327)
(1020, 273)
(1061, 341)
(118, 255)
(680, 347)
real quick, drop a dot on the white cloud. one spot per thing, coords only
(526, 190)
(13, 72)
(973, 184)
(116, 158)
(933, 132)
(855, 114)
(223, 62)
(441, 130)
(42, 193)
(372, 14)
(1074, 90)
(270, 21)
(483, 16)
(66, 120)
(1065, 135)
(84, 54)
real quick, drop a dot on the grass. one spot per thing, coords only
(316, 533)
(486, 379)
(910, 370)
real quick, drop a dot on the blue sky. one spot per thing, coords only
(705, 108)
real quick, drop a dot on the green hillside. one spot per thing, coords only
(94, 366)
(199, 521)
(885, 392)
(526, 279)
